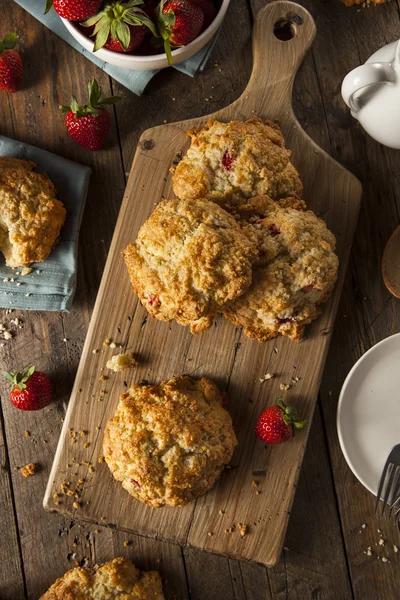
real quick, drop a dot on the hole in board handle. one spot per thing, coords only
(286, 28)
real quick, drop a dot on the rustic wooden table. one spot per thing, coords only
(325, 550)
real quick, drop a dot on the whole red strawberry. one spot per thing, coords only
(179, 23)
(278, 423)
(89, 125)
(31, 389)
(74, 10)
(121, 26)
(209, 10)
(11, 69)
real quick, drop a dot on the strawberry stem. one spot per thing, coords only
(290, 416)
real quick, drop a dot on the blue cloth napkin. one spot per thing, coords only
(135, 81)
(51, 284)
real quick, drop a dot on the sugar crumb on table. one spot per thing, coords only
(28, 470)
(120, 362)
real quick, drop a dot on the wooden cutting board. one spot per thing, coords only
(222, 353)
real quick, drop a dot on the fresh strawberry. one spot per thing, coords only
(121, 26)
(89, 125)
(209, 10)
(179, 23)
(278, 423)
(31, 389)
(74, 10)
(11, 69)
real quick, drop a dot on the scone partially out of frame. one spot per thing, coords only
(30, 215)
(296, 270)
(189, 259)
(231, 162)
(168, 443)
(117, 579)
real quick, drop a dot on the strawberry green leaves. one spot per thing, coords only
(95, 104)
(9, 42)
(115, 21)
(49, 4)
(19, 379)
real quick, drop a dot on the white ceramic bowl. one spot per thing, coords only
(155, 61)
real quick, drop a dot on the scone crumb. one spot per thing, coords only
(26, 271)
(91, 469)
(229, 530)
(27, 433)
(284, 386)
(221, 511)
(210, 533)
(95, 351)
(242, 529)
(102, 378)
(86, 444)
(76, 504)
(107, 342)
(266, 377)
(258, 492)
(7, 335)
(120, 362)
(101, 459)
(83, 432)
(28, 470)
(254, 483)
(127, 543)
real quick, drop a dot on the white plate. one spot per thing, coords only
(368, 418)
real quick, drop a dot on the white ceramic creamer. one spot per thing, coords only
(372, 92)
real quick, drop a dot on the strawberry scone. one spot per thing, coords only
(168, 443)
(190, 258)
(117, 579)
(296, 270)
(30, 214)
(231, 162)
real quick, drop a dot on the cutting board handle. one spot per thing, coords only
(282, 34)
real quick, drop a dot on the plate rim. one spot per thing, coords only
(340, 404)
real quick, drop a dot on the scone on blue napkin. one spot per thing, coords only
(51, 284)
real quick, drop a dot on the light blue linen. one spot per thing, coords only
(51, 285)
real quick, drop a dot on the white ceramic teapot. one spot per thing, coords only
(372, 92)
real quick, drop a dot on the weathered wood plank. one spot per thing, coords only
(11, 573)
(367, 313)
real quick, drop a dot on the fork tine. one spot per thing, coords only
(381, 483)
(388, 487)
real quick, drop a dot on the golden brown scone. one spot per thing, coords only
(295, 272)
(189, 259)
(230, 162)
(30, 215)
(117, 579)
(168, 443)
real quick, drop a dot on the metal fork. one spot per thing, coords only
(389, 484)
